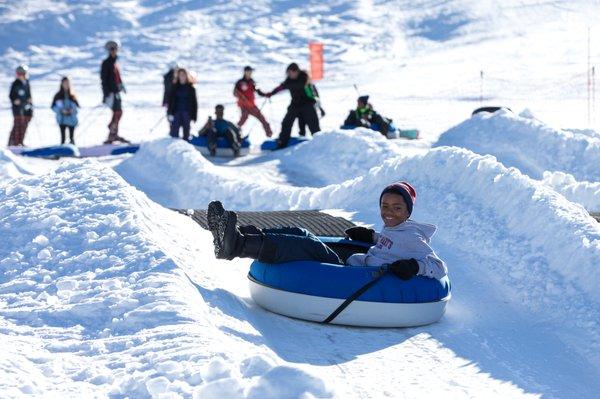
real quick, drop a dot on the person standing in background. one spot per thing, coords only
(183, 104)
(22, 106)
(244, 91)
(302, 105)
(112, 86)
(65, 105)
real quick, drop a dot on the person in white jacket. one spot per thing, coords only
(402, 244)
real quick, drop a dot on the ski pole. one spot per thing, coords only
(156, 124)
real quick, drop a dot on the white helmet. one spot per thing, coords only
(111, 44)
(22, 69)
(174, 65)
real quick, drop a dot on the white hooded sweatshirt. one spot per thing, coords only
(404, 241)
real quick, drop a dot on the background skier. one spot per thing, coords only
(22, 106)
(112, 86)
(244, 91)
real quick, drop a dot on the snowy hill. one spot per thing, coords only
(105, 292)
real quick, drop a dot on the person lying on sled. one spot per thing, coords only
(403, 244)
(365, 116)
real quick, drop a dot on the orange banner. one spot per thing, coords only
(316, 60)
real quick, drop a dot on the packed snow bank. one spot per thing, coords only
(10, 166)
(96, 298)
(526, 143)
(585, 193)
(561, 232)
(331, 157)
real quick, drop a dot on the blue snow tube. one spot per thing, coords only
(271, 145)
(223, 147)
(312, 291)
(57, 151)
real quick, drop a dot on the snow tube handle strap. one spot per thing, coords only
(377, 275)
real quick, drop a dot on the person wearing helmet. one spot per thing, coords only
(244, 91)
(22, 106)
(302, 104)
(112, 86)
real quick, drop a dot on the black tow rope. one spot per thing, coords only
(378, 275)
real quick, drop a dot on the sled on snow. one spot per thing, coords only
(361, 296)
(69, 150)
(50, 152)
(393, 132)
(271, 145)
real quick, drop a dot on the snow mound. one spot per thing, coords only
(585, 193)
(523, 206)
(331, 157)
(10, 166)
(528, 144)
(96, 297)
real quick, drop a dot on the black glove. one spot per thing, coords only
(322, 112)
(360, 233)
(405, 269)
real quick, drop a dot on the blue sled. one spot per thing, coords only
(271, 145)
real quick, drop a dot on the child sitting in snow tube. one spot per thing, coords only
(402, 244)
(365, 116)
(221, 127)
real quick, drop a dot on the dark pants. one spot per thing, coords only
(307, 113)
(63, 131)
(181, 120)
(288, 244)
(213, 135)
(384, 124)
(17, 134)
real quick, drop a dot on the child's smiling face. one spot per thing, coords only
(393, 209)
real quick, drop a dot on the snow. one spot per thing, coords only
(528, 144)
(105, 292)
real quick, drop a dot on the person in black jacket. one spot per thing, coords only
(301, 106)
(315, 94)
(183, 105)
(112, 86)
(22, 107)
(365, 116)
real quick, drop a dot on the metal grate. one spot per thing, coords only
(319, 223)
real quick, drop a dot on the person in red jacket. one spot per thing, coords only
(244, 91)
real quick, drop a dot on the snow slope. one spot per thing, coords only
(96, 300)
(527, 144)
(105, 293)
(506, 236)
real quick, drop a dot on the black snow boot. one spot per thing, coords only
(213, 213)
(228, 240)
